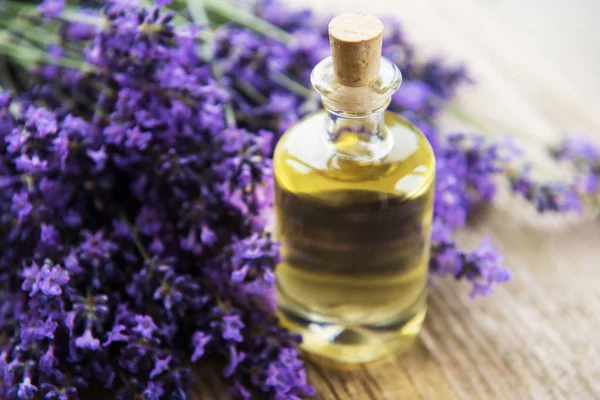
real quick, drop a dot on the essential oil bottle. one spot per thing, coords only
(354, 200)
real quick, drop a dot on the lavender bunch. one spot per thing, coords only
(129, 224)
(136, 175)
(584, 157)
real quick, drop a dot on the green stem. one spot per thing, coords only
(69, 13)
(35, 34)
(486, 125)
(17, 25)
(461, 115)
(244, 18)
(136, 239)
(5, 83)
(293, 86)
(74, 15)
(197, 12)
(30, 56)
(199, 16)
(230, 119)
(251, 92)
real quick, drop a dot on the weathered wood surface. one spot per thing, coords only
(537, 64)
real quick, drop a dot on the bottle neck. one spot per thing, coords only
(362, 137)
(356, 124)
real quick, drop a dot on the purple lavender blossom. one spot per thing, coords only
(21, 205)
(153, 391)
(587, 184)
(235, 358)
(48, 361)
(26, 389)
(48, 235)
(43, 120)
(482, 267)
(199, 342)
(252, 263)
(485, 266)
(144, 326)
(87, 341)
(79, 31)
(160, 366)
(116, 335)
(413, 95)
(466, 167)
(232, 326)
(95, 247)
(31, 279)
(585, 157)
(38, 331)
(52, 278)
(99, 157)
(448, 262)
(578, 149)
(51, 9)
(547, 197)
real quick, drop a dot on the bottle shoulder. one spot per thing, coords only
(305, 163)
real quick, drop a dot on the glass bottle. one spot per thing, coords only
(353, 201)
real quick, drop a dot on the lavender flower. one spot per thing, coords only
(160, 366)
(51, 9)
(578, 149)
(415, 95)
(87, 341)
(251, 263)
(466, 168)
(199, 342)
(144, 326)
(51, 279)
(482, 267)
(547, 197)
(585, 157)
(26, 389)
(232, 325)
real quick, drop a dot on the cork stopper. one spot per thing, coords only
(356, 40)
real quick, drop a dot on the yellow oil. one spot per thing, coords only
(355, 235)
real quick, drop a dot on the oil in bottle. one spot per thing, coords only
(353, 202)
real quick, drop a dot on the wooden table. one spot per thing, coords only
(538, 337)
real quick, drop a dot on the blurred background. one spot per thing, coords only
(529, 58)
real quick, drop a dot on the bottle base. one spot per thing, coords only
(343, 344)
